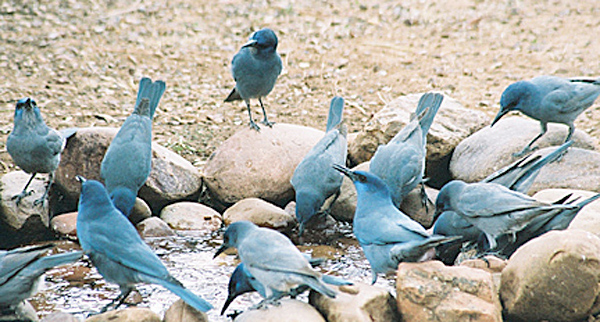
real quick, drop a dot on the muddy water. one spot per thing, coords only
(80, 290)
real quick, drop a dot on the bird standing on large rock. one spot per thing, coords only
(33, 146)
(255, 69)
(314, 180)
(128, 160)
(549, 99)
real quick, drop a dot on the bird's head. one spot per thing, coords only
(308, 203)
(366, 183)
(234, 234)
(263, 40)
(26, 108)
(239, 283)
(123, 199)
(512, 98)
(447, 195)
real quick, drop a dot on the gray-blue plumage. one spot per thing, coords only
(386, 235)
(493, 208)
(314, 180)
(549, 99)
(118, 252)
(272, 259)
(255, 69)
(241, 282)
(33, 146)
(401, 162)
(128, 160)
(21, 269)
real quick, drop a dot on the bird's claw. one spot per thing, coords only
(267, 123)
(39, 201)
(254, 126)
(20, 196)
(524, 152)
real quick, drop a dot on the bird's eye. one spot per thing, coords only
(362, 178)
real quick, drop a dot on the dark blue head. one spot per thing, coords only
(234, 233)
(367, 184)
(513, 97)
(27, 109)
(239, 283)
(93, 200)
(123, 199)
(263, 40)
(308, 203)
(449, 192)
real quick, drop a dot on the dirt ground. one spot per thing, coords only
(81, 60)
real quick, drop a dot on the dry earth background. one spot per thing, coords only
(81, 60)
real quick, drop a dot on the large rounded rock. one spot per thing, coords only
(154, 227)
(191, 216)
(259, 212)
(490, 149)
(171, 179)
(25, 222)
(553, 277)
(288, 310)
(130, 314)
(358, 302)
(431, 291)
(253, 164)
(451, 125)
(588, 218)
(182, 312)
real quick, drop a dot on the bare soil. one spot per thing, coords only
(81, 60)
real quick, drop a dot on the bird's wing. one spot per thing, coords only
(572, 97)
(55, 141)
(388, 227)
(116, 238)
(269, 250)
(331, 149)
(399, 165)
(488, 200)
(15, 260)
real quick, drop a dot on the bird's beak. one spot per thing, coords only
(349, 173)
(499, 116)
(81, 179)
(250, 43)
(220, 250)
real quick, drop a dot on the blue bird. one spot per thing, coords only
(276, 264)
(549, 99)
(33, 146)
(241, 282)
(255, 69)
(21, 269)
(314, 180)
(493, 208)
(401, 162)
(117, 250)
(386, 235)
(128, 160)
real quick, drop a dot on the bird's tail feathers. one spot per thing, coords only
(336, 111)
(48, 262)
(151, 90)
(186, 295)
(318, 286)
(233, 96)
(589, 200)
(428, 105)
(333, 280)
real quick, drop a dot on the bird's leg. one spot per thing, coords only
(528, 147)
(24, 193)
(252, 124)
(335, 198)
(374, 278)
(45, 195)
(265, 121)
(118, 300)
(569, 135)
(424, 198)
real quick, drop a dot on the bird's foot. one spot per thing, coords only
(40, 201)
(264, 304)
(267, 123)
(524, 152)
(19, 197)
(254, 126)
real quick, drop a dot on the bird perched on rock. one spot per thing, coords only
(21, 269)
(314, 179)
(117, 250)
(401, 162)
(276, 264)
(549, 99)
(493, 208)
(255, 69)
(241, 282)
(386, 235)
(33, 146)
(128, 160)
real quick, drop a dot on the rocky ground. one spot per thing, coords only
(81, 60)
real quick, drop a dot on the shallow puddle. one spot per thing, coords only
(80, 290)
